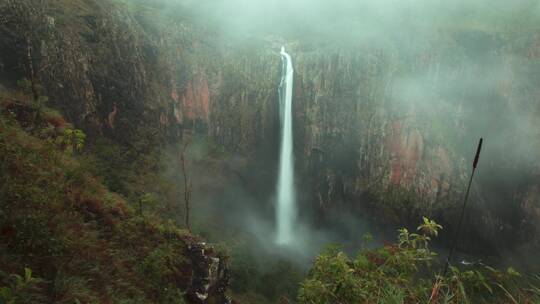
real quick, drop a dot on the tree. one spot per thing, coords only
(187, 184)
(19, 22)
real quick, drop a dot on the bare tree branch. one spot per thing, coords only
(187, 185)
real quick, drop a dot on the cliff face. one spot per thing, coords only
(390, 129)
(392, 133)
(396, 132)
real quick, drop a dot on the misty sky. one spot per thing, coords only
(358, 18)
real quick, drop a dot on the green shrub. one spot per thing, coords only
(57, 218)
(21, 289)
(403, 273)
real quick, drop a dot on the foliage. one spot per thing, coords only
(402, 272)
(147, 201)
(252, 269)
(20, 289)
(84, 242)
(137, 174)
(71, 140)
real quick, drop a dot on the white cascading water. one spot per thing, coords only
(286, 196)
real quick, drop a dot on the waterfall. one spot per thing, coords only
(286, 196)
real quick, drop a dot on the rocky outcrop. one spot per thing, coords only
(210, 278)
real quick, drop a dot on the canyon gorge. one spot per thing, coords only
(386, 118)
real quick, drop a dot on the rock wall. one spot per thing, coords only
(396, 132)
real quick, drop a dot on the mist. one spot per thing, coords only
(451, 88)
(351, 22)
(452, 71)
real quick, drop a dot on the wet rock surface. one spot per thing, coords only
(210, 275)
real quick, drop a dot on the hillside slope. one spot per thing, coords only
(81, 242)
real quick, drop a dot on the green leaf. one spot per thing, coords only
(27, 274)
(512, 272)
(5, 295)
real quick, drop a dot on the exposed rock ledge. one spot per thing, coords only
(210, 277)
